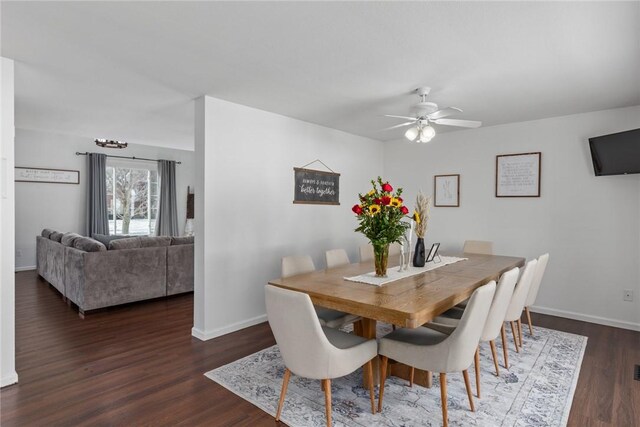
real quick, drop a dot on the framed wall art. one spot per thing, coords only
(54, 176)
(446, 192)
(518, 175)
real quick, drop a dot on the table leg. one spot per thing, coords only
(367, 329)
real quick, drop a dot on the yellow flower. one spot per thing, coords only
(416, 217)
(371, 193)
(396, 203)
(374, 209)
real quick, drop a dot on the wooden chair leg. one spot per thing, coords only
(476, 360)
(383, 379)
(429, 379)
(505, 350)
(372, 393)
(283, 392)
(519, 322)
(467, 385)
(515, 338)
(327, 400)
(526, 309)
(492, 343)
(443, 397)
(413, 371)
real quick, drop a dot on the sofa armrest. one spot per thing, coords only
(50, 262)
(179, 269)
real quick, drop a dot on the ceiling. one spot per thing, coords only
(131, 70)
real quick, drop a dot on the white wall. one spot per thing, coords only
(590, 225)
(8, 373)
(62, 206)
(245, 160)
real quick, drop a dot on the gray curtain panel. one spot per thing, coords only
(97, 217)
(167, 220)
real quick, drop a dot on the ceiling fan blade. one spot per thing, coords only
(398, 126)
(444, 113)
(401, 117)
(460, 123)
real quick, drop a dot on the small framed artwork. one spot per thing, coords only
(446, 190)
(518, 175)
(432, 252)
(52, 176)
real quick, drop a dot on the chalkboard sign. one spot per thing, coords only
(316, 187)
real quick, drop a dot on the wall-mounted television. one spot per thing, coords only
(616, 154)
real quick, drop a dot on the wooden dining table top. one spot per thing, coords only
(408, 302)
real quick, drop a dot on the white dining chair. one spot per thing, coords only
(449, 320)
(517, 305)
(535, 287)
(336, 258)
(366, 251)
(478, 247)
(299, 264)
(312, 351)
(433, 351)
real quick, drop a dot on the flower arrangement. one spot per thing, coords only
(380, 213)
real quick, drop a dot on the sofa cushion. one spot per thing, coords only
(128, 243)
(154, 241)
(187, 240)
(69, 238)
(46, 232)
(56, 236)
(88, 244)
(105, 239)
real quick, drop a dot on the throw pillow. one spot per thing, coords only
(187, 240)
(46, 232)
(88, 244)
(69, 238)
(154, 241)
(105, 239)
(56, 236)
(130, 243)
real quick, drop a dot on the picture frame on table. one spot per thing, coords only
(433, 252)
(446, 190)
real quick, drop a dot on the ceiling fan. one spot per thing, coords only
(427, 113)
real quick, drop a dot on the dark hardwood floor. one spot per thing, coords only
(139, 365)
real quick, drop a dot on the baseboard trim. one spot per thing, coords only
(9, 379)
(587, 318)
(218, 332)
(27, 268)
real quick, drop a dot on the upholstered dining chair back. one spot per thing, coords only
(463, 341)
(537, 279)
(296, 264)
(336, 258)
(500, 304)
(522, 290)
(478, 247)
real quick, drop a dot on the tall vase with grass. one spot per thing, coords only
(380, 213)
(421, 217)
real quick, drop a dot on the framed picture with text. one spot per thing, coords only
(446, 191)
(518, 175)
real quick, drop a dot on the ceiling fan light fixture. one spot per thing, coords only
(426, 134)
(412, 133)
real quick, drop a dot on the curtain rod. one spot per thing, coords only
(123, 157)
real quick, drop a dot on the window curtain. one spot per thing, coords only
(167, 219)
(97, 216)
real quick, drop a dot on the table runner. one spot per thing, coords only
(393, 274)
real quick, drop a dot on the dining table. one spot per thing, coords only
(408, 302)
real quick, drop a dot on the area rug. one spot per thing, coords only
(537, 390)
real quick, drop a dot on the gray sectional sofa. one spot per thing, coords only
(95, 275)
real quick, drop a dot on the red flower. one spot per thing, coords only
(404, 210)
(400, 198)
(386, 200)
(357, 209)
(387, 188)
(377, 201)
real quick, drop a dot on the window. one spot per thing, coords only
(132, 198)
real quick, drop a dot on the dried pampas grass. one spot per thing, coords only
(422, 207)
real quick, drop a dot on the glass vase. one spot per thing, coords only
(381, 257)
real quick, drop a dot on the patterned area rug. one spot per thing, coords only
(537, 390)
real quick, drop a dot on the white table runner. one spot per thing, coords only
(393, 274)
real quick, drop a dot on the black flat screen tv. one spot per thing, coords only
(616, 154)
